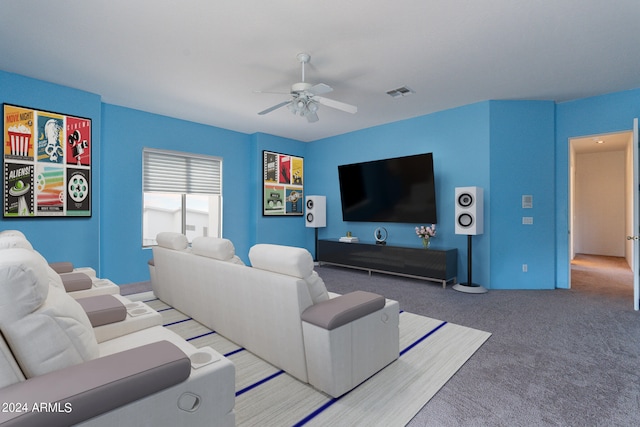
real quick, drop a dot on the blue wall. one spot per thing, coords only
(505, 147)
(60, 239)
(509, 148)
(289, 230)
(125, 133)
(522, 155)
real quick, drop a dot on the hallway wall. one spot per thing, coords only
(600, 203)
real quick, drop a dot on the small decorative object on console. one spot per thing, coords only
(426, 233)
(380, 234)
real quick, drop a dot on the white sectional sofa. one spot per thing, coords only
(54, 371)
(279, 309)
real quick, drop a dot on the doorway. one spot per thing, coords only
(600, 207)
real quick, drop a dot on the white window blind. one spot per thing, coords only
(176, 172)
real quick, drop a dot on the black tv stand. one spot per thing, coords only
(438, 265)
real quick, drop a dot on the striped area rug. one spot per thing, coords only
(431, 352)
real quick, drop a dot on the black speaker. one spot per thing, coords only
(469, 210)
(315, 211)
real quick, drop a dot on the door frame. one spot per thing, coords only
(636, 219)
(635, 196)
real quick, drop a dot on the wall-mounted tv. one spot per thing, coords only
(400, 189)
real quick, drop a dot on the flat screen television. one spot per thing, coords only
(400, 189)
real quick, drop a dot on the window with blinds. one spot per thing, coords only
(182, 192)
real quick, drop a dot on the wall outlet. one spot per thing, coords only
(525, 268)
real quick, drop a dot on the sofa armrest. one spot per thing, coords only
(61, 267)
(76, 282)
(103, 309)
(78, 393)
(339, 311)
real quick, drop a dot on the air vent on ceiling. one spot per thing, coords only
(401, 91)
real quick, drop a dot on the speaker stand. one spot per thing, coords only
(469, 287)
(315, 253)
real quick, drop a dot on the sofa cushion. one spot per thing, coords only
(236, 260)
(55, 336)
(172, 240)
(213, 247)
(45, 328)
(292, 261)
(8, 241)
(10, 372)
(54, 278)
(19, 233)
(317, 288)
(24, 283)
(11, 241)
(289, 260)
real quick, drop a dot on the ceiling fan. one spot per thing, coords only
(305, 97)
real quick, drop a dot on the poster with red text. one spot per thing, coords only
(46, 163)
(78, 141)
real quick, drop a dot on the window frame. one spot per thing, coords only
(165, 164)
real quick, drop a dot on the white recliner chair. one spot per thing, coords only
(79, 282)
(111, 314)
(52, 364)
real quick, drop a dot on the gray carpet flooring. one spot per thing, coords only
(557, 358)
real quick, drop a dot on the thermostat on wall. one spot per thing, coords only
(527, 201)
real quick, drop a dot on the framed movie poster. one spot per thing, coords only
(46, 164)
(282, 192)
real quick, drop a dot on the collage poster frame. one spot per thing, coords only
(46, 163)
(283, 184)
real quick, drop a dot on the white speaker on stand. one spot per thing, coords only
(315, 215)
(469, 211)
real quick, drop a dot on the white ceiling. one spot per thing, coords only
(203, 60)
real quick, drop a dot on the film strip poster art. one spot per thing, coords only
(78, 185)
(47, 163)
(283, 184)
(19, 191)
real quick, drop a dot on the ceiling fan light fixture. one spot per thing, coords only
(305, 97)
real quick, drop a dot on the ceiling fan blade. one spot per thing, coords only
(271, 92)
(348, 108)
(275, 107)
(312, 117)
(320, 89)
